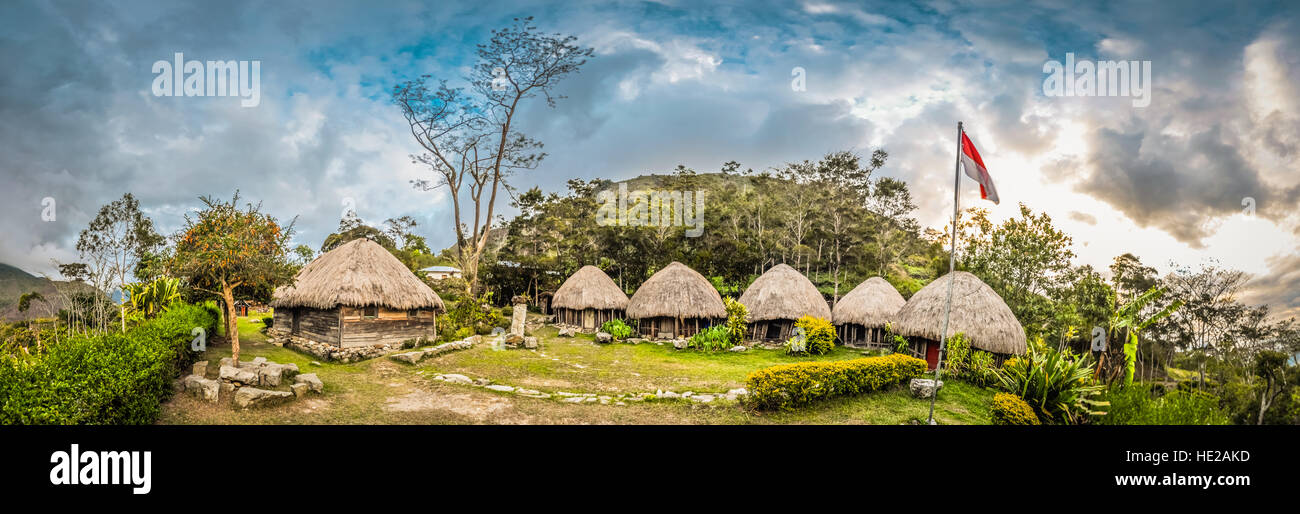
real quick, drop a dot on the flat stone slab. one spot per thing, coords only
(311, 381)
(923, 387)
(206, 389)
(247, 397)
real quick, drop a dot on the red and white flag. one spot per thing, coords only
(974, 166)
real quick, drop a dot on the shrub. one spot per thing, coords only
(820, 333)
(795, 385)
(1009, 409)
(267, 321)
(617, 328)
(1058, 385)
(115, 378)
(737, 320)
(798, 344)
(970, 364)
(711, 339)
(1134, 405)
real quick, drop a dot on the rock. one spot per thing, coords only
(290, 369)
(923, 387)
(201, 368)
(247, 397)
(482, 381)
(740, 391)
(312, 381)
(737, 348)
(409, 357)
(679, 344)
(567, 331)
(604, 337)
(227, 387)
(259, 360)
(204, 388)
(315, 363)
(457, 379)
(233, 374)
(667, 394)
(300, 389)
(527, 392)
(574, 399)
(702, 398)
(517, 319)
(501, 388)
(530, 343)
(514, 341)
(270, 374)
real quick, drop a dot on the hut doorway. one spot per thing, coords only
(931, 354)
(297, 323)
(773, 331)
(589, 319)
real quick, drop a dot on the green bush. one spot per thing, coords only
(969, 364)
(795, 385)
(617, 328)
(115, 378)
(737, 320)
(711, 339)
(1009, 409)
(1134, 405)
(820, 333)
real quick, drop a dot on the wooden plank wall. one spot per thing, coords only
(391, 326)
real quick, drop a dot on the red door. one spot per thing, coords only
(932, 354)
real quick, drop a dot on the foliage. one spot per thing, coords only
(711, 339)
(820, 334)
(1009, 409)
(789, 386)
(900, 344)
(148, 299)
(737, 320)
(798, 343)
(617, 328)
(1137, 405)
(477, 316)
(969, 364)
(1057, 384)
(113, 378)
(1130, 319)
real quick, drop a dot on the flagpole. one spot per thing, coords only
(952, 264)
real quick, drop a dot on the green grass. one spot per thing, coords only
(382, 391)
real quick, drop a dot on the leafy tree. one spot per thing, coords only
(1023, 259)
(226, 247)
(1130, 319)
(118, 238)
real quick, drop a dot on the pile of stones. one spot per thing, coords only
(327, 351)
(250, 383)
(416, 356)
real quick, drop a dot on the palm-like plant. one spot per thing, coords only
(148, 299)
(1057, 384)
(1129, 317)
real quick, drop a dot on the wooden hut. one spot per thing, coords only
(977, 311)
(777, 299)
(356, 295)
(676, 302)
(861, 315)
(588, 299)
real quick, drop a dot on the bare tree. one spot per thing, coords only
(470, 140)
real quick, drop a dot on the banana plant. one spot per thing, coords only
(1129, 317)
(148, 299)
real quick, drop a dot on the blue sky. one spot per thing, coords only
(693, 83)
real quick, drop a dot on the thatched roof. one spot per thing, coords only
(358, 274)
(783, 293)
(676, 291)
(589, 288)
(872, 304)
(977, 311)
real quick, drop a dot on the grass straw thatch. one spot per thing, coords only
(676, 291)
(977, 311)
(872, 304)
(589, 288)
(358, 274)
(783, 293)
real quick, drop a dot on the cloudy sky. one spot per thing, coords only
(1206, 171)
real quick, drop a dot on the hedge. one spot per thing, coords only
(795, 385)
(110, 378)
(1009, 409)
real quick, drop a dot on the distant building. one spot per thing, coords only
(441, 272)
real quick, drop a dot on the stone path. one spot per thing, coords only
(591, 398)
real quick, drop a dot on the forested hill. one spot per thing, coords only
(15, 282)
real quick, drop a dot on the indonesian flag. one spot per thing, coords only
(974, 166)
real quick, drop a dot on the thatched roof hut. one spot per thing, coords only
(779, 297)
(861, 315)
(357, 295)
(360, 273)
(589, 288)
(872, 304)
(977, 311)
(783, 293)
(676, 300)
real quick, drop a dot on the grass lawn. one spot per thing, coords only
(382, 391)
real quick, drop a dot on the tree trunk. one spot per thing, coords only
(232, 323)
